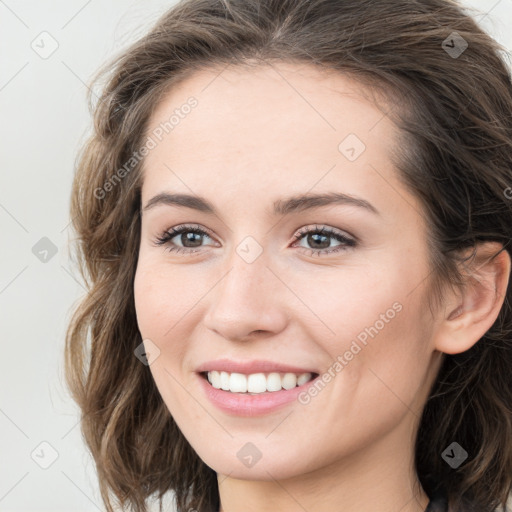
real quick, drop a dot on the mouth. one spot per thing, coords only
(256, 383)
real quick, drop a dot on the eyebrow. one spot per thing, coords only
(281, 207)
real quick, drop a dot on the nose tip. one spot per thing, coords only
(239, 326)
(243, 307)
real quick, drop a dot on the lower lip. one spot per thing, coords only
(242, 404)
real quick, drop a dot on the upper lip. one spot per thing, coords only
(248, 367)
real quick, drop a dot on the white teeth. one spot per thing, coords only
(224, 381)
(256, 382)
(289, 380)
(214, 378)
(237, 383)
(274, 382)
(303, 378)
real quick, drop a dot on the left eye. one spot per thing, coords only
(192, 237)
(321, 236)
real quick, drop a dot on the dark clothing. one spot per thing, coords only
(438, 504)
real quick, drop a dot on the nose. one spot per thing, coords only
(248, 301)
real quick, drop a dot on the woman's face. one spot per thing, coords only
(261, 282)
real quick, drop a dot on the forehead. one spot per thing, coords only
(281, 125)
(265, 99)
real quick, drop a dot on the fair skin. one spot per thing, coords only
(256, 136)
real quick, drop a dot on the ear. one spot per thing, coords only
(471, 312)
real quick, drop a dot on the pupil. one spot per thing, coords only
(314, 238)
(191, 237)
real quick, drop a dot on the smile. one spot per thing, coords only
(253, 403)
(256, 383)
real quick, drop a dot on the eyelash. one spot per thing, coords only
(168, 235)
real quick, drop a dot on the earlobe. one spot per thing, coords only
(472, 312)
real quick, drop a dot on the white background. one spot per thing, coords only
(44, 120)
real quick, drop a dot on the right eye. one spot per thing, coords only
(194, 235)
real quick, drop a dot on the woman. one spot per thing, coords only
(294, 218)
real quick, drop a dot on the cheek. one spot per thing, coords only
(149, 301)
(159, 308)
(162, 298)
(351, 299)
(168, 308)
(375, 319)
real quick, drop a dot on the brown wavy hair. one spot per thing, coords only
(455, 119)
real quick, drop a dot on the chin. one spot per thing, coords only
(275, 465)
